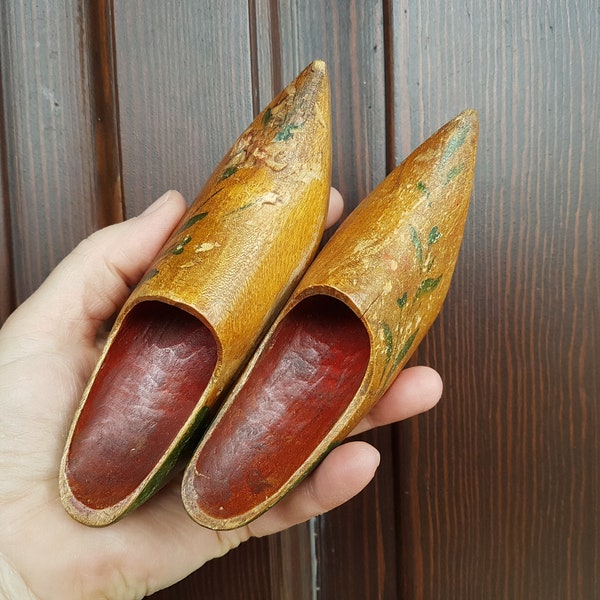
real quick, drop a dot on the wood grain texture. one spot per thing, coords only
(349, 36)
(7, 287)
(49, 140)
(266, 57)
(292, 562)
(105, 106)
(185, 92)
(244, 574)
(499, 487)
(356, 543)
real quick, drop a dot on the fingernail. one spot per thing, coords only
(377, 457)
(157, 203)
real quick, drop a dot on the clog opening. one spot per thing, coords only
(296, 392)
(151, 379)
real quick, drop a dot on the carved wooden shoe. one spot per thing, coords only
(354, 320)
(197, 315)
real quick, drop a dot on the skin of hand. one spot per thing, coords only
(48, 348)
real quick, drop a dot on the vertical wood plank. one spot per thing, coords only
(292, 563)
(499, 486)
(7, 302)
(105, 107)
(349, 37)
(7, 287)
(49, 141)
(268, 50)
(357, 542)
(185, 92)
(356, 561)
(243, 574)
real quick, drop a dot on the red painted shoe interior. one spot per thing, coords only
(295, 394)
(151, 379)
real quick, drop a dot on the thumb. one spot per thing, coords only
(93, 281)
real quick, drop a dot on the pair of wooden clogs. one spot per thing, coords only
(184, 369)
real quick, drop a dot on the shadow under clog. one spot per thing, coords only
(195, 318)
(357, 315)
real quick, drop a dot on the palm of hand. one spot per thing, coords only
(144, 552)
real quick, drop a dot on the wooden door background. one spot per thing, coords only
(495, 493)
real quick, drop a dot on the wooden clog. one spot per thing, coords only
(357, 315)
(195, 318)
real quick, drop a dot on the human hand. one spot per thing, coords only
(48, 348)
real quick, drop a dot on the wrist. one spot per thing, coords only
(12, 586)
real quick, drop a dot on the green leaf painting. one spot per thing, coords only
(422, 188)
(388, 338)
(454, 172)
(455, 143)
(402, 300)
(427, 286)
(286, 132)
(416, 242)
(267, 116)
(434, 235)
(404, 350)
(192, 221)
(397, 345)
(228, 172)
(390, 370)
(423, 252)
(178, 249)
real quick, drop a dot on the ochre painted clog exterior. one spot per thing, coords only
(256, 225)
(399, 269)
(223, 275)
(384, 274)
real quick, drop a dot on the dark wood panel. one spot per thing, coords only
(185, 92)
(349, 37)
(50, 166)
(357, 542)
(293, 562)
(6, 279)
(243, 574)
(103, 97)
(499, 489)
(7, 284)
(355, 546)
(264, 16)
